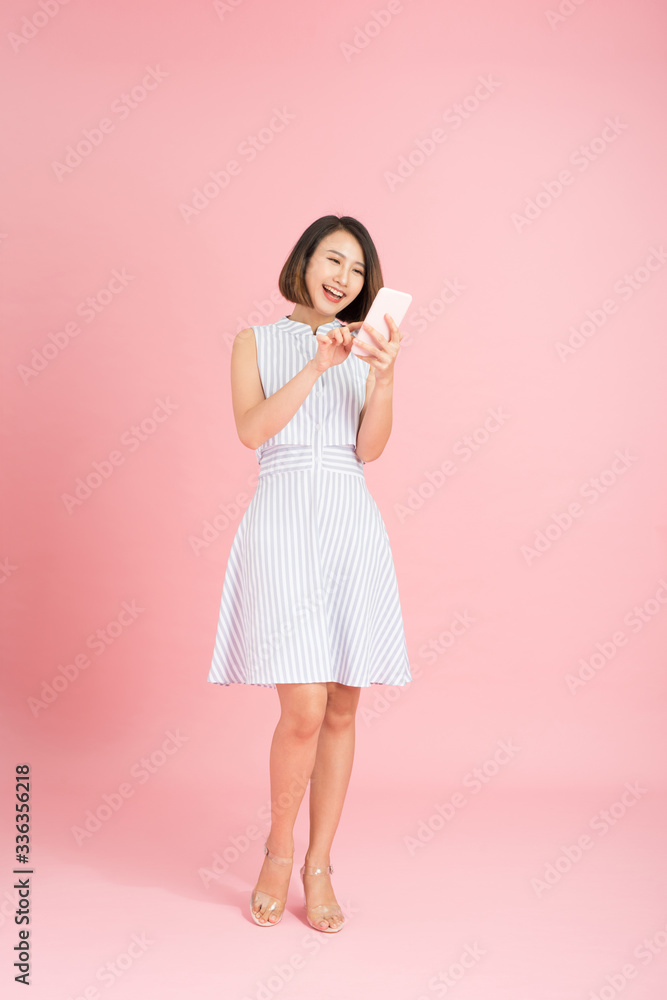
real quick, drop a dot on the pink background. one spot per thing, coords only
(152, 534)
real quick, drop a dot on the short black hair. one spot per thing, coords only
(292, 281)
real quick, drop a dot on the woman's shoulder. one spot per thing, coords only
(256, 328)
(244, 342)
(247, 334)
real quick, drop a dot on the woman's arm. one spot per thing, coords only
(375, 418)
(258, 418)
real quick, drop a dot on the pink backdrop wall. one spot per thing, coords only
(161, 160)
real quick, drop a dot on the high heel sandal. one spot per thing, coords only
(324, 910)
(258, 896)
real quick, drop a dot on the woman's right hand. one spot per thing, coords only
(333, 347)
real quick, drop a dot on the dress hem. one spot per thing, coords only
(328, 680)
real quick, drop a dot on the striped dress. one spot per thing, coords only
(310, 590)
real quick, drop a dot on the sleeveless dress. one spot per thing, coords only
(310, 590)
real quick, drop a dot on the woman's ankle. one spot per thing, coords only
(317, 859)
(281, 846)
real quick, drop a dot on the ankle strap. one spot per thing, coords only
(310, 870)
(274, 857)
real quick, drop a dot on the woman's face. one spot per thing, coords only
(337, 262)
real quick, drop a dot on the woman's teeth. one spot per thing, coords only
(332, 294)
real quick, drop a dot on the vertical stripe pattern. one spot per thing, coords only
(310, 590)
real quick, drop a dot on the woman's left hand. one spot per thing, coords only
(381, 357)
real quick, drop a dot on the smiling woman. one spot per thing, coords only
(310, 603)
(338, 252)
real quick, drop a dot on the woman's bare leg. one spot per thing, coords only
(291, 761)
(329, 782)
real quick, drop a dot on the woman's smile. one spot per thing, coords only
(331, 297)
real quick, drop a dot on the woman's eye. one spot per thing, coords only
(338, 262)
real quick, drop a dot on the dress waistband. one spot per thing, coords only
(299, 457)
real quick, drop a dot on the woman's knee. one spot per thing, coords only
(341, 705)
(303, 711)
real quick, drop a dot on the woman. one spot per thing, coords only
(310, 602)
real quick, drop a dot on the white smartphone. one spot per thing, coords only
(387, 300)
